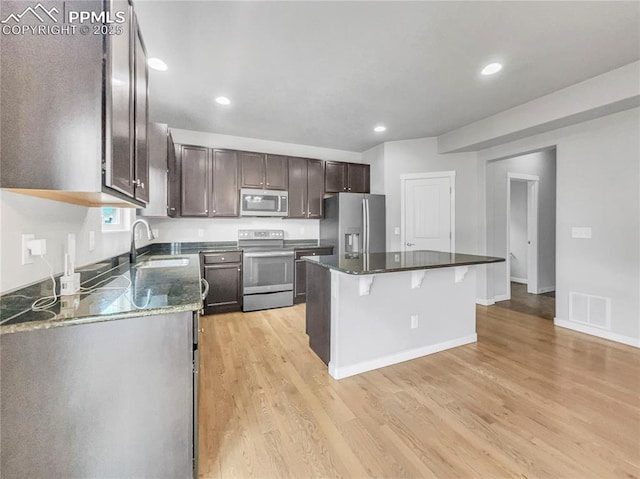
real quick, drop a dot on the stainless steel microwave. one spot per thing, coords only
(264, 202)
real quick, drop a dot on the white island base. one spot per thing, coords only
(381, 319)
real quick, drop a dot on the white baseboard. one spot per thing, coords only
(502, 297)
(519, 280)
(546, 289)
(600, 333)
(485, 302)
(370, 365)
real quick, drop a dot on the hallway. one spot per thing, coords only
(541, 305)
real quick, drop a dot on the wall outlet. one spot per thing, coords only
(414, 321)
(27, 257)
(156, 232)
(92, 240)
(200, 233)
(302, 230)
(396, 230)
(37, 247)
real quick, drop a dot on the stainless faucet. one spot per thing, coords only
(133, 254)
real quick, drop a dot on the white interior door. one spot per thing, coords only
(428, 212)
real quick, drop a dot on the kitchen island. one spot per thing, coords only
(367, 311)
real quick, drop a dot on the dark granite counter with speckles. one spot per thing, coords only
(392, 261)
(125, 290)
(115, 291)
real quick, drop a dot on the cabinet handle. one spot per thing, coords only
(238, 268)
(201, 330)
(267, 183)
(214, 211)
(172, 209)
(206, 211)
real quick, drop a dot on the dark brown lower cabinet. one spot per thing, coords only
(223, 272)
(300, 275)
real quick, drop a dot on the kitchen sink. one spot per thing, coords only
(163, 263)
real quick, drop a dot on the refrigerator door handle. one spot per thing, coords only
(364, 226)
(366, 200)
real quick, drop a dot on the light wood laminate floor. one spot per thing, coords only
(528, 400)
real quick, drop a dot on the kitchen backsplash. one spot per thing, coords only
(226, 229)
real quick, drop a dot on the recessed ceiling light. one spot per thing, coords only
(223, 100)
(492, 68)
(157, 64)
(379, 129)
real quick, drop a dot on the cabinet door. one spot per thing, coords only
(315, 188)
(251, 169)
(194, 181)
(120, 172)
(276, 172)
(297, 187)
(225, 288)
(335, 177)
(173, 180)
(358, 178)
(224, 195)
(300, 291)
(141, 115)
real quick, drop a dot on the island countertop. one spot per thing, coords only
(393, 261)
(124, 291)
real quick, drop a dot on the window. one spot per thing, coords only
(116, 219)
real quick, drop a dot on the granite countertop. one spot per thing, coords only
(392, 261)
(114, 292)
(220, 246)
(126, 290)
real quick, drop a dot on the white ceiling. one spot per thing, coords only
(325, 73)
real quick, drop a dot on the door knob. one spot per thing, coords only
(411, 244)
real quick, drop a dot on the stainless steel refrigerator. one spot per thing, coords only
(354, 223)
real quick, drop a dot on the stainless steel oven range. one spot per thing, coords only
(267, 270)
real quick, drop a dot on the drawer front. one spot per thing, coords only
(226, 257)
(313, 252)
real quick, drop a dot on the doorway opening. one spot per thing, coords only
(521, 206)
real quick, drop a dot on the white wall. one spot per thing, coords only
(226, 229)
(375, 158)
(518, 230)
(420, 156)
(50, 220)
(541, 164)
(214, 140)
(598, 185)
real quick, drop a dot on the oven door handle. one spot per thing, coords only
(267, 254)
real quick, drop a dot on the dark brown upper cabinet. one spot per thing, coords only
(77, 94)
(224, 194)
(358, 178)
(195, 180)
(263, 171)
(306, 188)
(251, 169)
(335, 179)
(276, 172)
(208, 181)
(141, 118)
(315, 188)
(173, 180)
(346, 177)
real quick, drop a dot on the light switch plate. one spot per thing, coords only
(396, 230)
(92, 240)
(583, 232)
